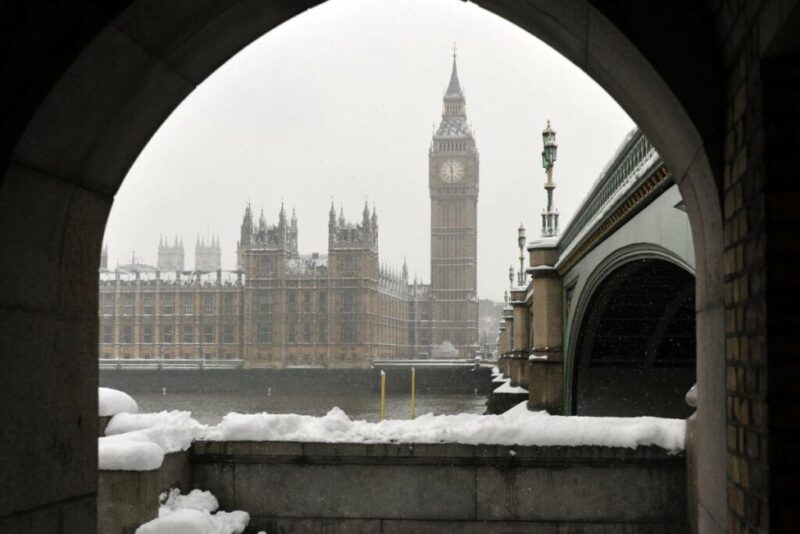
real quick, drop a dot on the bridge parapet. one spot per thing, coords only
(631, 166)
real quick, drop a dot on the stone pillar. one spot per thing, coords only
(519, 342)
(501, 347)
(508, 323)
(546, 364)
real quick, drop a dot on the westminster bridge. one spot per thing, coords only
(604, 323)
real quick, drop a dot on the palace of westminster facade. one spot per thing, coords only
(281, 308)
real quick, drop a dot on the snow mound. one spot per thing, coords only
(506, 387)
(133, 451)
(179, 522)
(194, 514)
(196, 499)
(112, 402)
(518, 426)
(172, 431)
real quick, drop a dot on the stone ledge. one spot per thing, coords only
(278, 452)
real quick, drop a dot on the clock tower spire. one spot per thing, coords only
(453, 182)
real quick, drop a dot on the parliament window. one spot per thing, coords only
(265, 265)
(147, 333)
(167, 305)
(208, 333)
(108, 304)
(208, 304)
(228, 335)
(188, 333)
(264, 302)
(349, 265)
(147, 306)
(292, 333)
(348, 332)
(127, 333)
(348, 301)
(264, 332)
(229, 304)
(127, 305)
(322, 302)
(188, 304)
(166, 333)
(108, 333)
(292, 295)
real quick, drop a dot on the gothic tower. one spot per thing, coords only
(170, 257)
(453, 182)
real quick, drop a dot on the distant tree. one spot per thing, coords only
(444, 350)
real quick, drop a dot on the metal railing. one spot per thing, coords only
(623, 171)
(176, 363)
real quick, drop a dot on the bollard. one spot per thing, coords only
(383, 395)
(413, 393)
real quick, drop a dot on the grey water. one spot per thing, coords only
(210, 408)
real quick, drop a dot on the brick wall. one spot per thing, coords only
(760, 217)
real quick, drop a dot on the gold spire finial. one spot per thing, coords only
(455, 50)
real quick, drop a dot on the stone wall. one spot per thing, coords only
(317, 487)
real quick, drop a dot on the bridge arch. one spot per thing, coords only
(88, 86)
(641, 297)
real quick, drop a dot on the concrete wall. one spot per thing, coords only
(316, 381)
(127, 499)
(315, 487)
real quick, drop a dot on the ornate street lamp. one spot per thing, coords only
(549, 215)
(521, 243)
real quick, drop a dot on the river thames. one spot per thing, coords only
(209, 408)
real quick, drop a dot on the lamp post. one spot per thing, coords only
(511, 275)
(521, 243)
(550, 215)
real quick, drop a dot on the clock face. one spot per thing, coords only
(451, 171)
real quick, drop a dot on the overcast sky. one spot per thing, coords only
(339, 103)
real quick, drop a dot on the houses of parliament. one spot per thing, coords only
(282, 308)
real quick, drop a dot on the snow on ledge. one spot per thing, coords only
(194, 513)
(508, 388)
(112, 401)
(543, 242)
(172, 431)
(128, 452)
(518, 427)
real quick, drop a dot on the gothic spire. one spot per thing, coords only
(454, 87)
(332, 216)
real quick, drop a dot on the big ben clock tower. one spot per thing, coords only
(453, 182)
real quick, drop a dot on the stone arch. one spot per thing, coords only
(92, 86)
(606, 268)
(593, 365)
